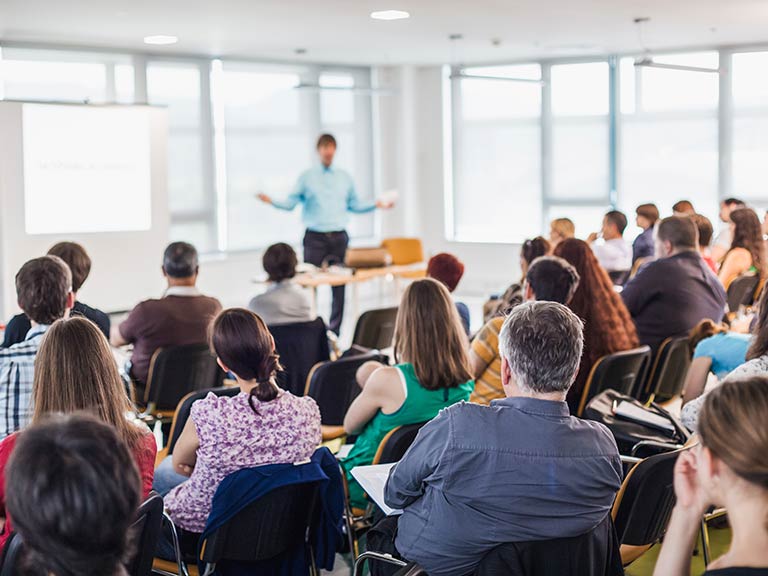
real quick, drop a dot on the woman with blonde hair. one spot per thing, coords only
(729, 468)
(561, 229)
(75, 371)
(432, 373)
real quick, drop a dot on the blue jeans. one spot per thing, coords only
(166, 478)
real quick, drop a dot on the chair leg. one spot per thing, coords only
(705, 542)
(176, 547)
(360, 562)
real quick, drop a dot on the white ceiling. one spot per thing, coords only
(341, 31)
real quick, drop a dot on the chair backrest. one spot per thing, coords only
(183, 408)
(145, 533)
(333, 385)
(375, 329)
(619, 277)
(644, 503)
(395, 444)
(621, 371)
(741, 291)
(176, 371)
(274, 524)
(670, 368)
(300, 345)
(404, 250)
(12, 555)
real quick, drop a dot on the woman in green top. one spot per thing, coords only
(432, 373)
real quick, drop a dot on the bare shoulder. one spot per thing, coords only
(383, 379)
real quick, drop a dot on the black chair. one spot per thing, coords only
(334, 387)
(145, 533)
(375, 329)
(742, 291)
(300, 345)
(619, 277)
(670, 368)
(621, 371)
(395, 444)
(12, 555)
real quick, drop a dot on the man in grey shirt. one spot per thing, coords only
(521, 469)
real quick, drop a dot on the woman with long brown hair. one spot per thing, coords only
(432, 372)
(747, 252)
(75, 371)
(608, 326)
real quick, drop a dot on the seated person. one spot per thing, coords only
(69, 380)
(44, 293)
(683, 208)
(448, 269)
(284, 302)
(74, 491)
(614, 254)
(726, 469)
(704, 227)
(261, 425)
(561, 229)
(643, 247)
(79, 264)
(672, 294)
(722, 242)
(432, 373)
(521, 469)
(179, 318)
(549, 278)
(747, 251)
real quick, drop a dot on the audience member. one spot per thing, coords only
(44, 293)
(672, 294)
(531, 250)
(614, 254)
(69, 380)
(727, 469)
(432, 372)
(261, 425)
(561, 229)
(705, 239)
(722, 242)
(473, 478)
(608, 327)
(549, 278)
(180, 317)
(683, 208)
(643, 247)
(284, 302)
(448, 269)
(74, 491)
(747, 251)
(79, 264)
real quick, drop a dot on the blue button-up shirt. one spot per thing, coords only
(521, 469)
(328, 195)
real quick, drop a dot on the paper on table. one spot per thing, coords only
(389, 196)
(372, 479)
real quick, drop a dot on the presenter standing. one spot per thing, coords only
(327, 195)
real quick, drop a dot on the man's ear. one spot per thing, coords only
(164, 272)
(70, 300)
(529, 293)
(505, 372)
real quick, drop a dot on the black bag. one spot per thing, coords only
(628, 432)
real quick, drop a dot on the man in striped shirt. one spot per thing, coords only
(44, 292)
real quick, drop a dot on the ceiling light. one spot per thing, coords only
(160, 40)
(390, 15)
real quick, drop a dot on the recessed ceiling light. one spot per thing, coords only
(390, 15)
(160, 40)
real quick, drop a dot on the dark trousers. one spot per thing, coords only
(327, 248)
(381, 538)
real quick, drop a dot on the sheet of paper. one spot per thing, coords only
(373, 479)
(344, 451)
(389, 196)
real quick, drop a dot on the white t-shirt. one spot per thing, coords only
(614, 255)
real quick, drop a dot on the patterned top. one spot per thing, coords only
(17, 365)
(233, 437)
(486, 347)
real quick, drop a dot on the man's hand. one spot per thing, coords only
(264, 198)
(381, 204)
(592, 237)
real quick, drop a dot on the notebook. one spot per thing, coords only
(372, 479)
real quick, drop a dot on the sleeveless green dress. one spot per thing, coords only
(420, 405)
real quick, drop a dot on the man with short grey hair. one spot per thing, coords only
(521, 469)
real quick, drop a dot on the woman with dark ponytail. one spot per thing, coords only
(263, 424)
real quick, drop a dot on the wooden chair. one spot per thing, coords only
(404, 250)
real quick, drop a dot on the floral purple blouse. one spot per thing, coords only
(232, 437)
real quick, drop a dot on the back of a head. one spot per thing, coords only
(759, 345)
(553, 279)
(564, 227)
(76, 258)
(648, 211)
(534, 248)
(72, 489)
(542, 344)
(680, 232)
(42, 288)
(683, 207)
(734, 203)
(704, 226)
(703, 330)
(280, 262)
(446, 268)
(618, 219)
(180, 260)
(429, 335)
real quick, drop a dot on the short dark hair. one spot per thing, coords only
(705, 228)
(618, 219)
(683, 207)
(648, 211)
(280, 262)
(180, 260)
(553, 279)
(447, 269)
(680, 231)
(734, 202)
(72, 490)
(76, 258)
(42, 287)
(326, 139)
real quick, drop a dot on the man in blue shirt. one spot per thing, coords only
(327, 195)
